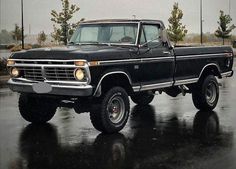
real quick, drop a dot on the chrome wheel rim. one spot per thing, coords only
(211, 93)
(116, 109)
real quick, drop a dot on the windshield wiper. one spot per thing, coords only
(71, 43)
(91, 43)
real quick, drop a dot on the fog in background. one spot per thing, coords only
(37, 12)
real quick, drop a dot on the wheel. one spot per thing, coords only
(36, 109)
(205, 96)
(143, 98)
(112, 113)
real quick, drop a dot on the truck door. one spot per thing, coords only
(157, 62)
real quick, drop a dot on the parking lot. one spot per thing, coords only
(169, 134)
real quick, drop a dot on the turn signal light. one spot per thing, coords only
(79, 63)
(94, 63)
(229, 55)
(10, 62)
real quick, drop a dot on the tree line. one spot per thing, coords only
(15, 36)
(176, 30)
(63, 28)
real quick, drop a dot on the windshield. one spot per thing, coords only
(108, 33)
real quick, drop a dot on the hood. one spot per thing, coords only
(86, 52)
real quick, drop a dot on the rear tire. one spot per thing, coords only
(112, 112)
(36, 109)
(206, 94)
(142, 99)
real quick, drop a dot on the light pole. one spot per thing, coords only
(201, 21)
(22, 24)
(229, 7)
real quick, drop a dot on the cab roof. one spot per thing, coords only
(122, 20)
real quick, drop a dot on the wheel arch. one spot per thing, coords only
(211, 68)
(112, 77)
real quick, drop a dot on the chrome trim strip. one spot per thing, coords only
(156, 86)
(47, 60)
(43, 72)
(202, 55)
(43, 65)
(186, 81)
(136, 88)
(102, 22)
(87, 71)
(115, 72)
(141, 60)
(66, 82)
(119, 61)
(138, 30)
(157, 59)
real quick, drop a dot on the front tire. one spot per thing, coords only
(112, 113)
(142, 99)
(205, 96)
(36, 109)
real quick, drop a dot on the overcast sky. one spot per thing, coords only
(37, 12)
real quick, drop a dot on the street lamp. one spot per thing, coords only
(201, 21)
(22, 24)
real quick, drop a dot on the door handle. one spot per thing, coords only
(166, 52)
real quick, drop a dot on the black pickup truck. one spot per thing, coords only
(105, 62)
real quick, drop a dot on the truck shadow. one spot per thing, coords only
(149, 144)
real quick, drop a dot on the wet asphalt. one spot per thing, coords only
(170, 133)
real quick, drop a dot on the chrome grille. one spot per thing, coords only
(32, 73)
(49, 73)
(45, 62)
(59, 73)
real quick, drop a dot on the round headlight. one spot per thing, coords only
(15, 72)
(79, 74)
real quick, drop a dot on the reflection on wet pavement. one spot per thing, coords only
(170, 144)
(168, 134)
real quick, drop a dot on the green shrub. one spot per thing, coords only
(11, 46)
(19, 48)
(36, 46)
(234, 43)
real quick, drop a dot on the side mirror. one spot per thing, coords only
(171, 47)
(165, 39)
(164, 36)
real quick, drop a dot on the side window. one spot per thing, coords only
(151, 33)
(142, 38)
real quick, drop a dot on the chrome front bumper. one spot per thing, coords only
(62, 90)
